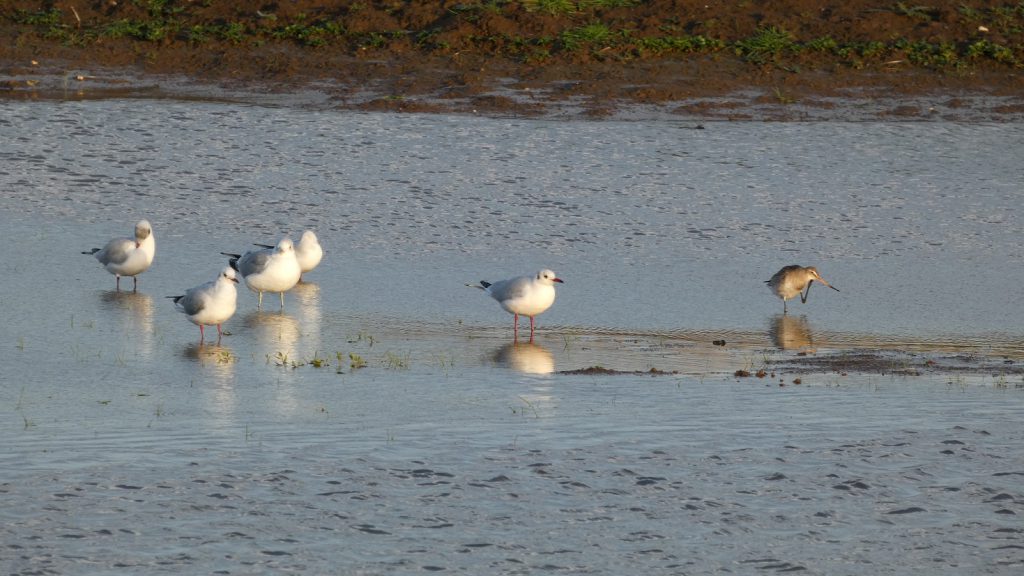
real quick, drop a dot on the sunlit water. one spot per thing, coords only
(130, 448)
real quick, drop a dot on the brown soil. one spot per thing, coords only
(515, 57)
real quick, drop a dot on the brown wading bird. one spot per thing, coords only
(792, 279)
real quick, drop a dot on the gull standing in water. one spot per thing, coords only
(307, 251)
(128, 256)
(791, 280)
(268, 270)
(526, 295)
(211, 303)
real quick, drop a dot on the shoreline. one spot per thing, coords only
(503, 97)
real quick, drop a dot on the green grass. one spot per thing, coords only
(562, 7)
(589, 35)
(917, 12)
(767, 45)
(150, 31)
(551, 7)
(587, 28)
(48, 18)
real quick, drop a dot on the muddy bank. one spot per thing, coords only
(602, 58)
(899, 363)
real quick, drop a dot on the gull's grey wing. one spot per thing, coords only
(509, 289)
(253, 262)
(116, 251)
(194, 300)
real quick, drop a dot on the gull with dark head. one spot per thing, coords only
(525, 295)
(128, 256)
(791, 281)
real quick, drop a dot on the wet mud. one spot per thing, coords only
(790, 60)
(900, 363)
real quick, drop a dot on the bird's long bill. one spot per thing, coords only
(559, 280)
(827, 284)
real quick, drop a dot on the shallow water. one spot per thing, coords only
(130, 447)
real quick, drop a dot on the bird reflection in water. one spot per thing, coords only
(208, 354)
(137, 302)
(217, 365)
(791, 333)
(135, 311)
(275, 329)
(525, 357)
(307, 294)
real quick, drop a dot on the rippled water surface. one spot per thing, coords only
(130, 448)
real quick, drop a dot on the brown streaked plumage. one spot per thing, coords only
(791, 281)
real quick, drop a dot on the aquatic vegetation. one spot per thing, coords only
(363, 336)
(958, 381)
(395, 361)
(781, 97)
(522, 411)
(318, 362)
(281, 359)
(356, 361)
(445, 361)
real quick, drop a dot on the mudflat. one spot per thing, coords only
(789, 59)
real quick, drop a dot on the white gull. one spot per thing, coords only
(128, 256)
